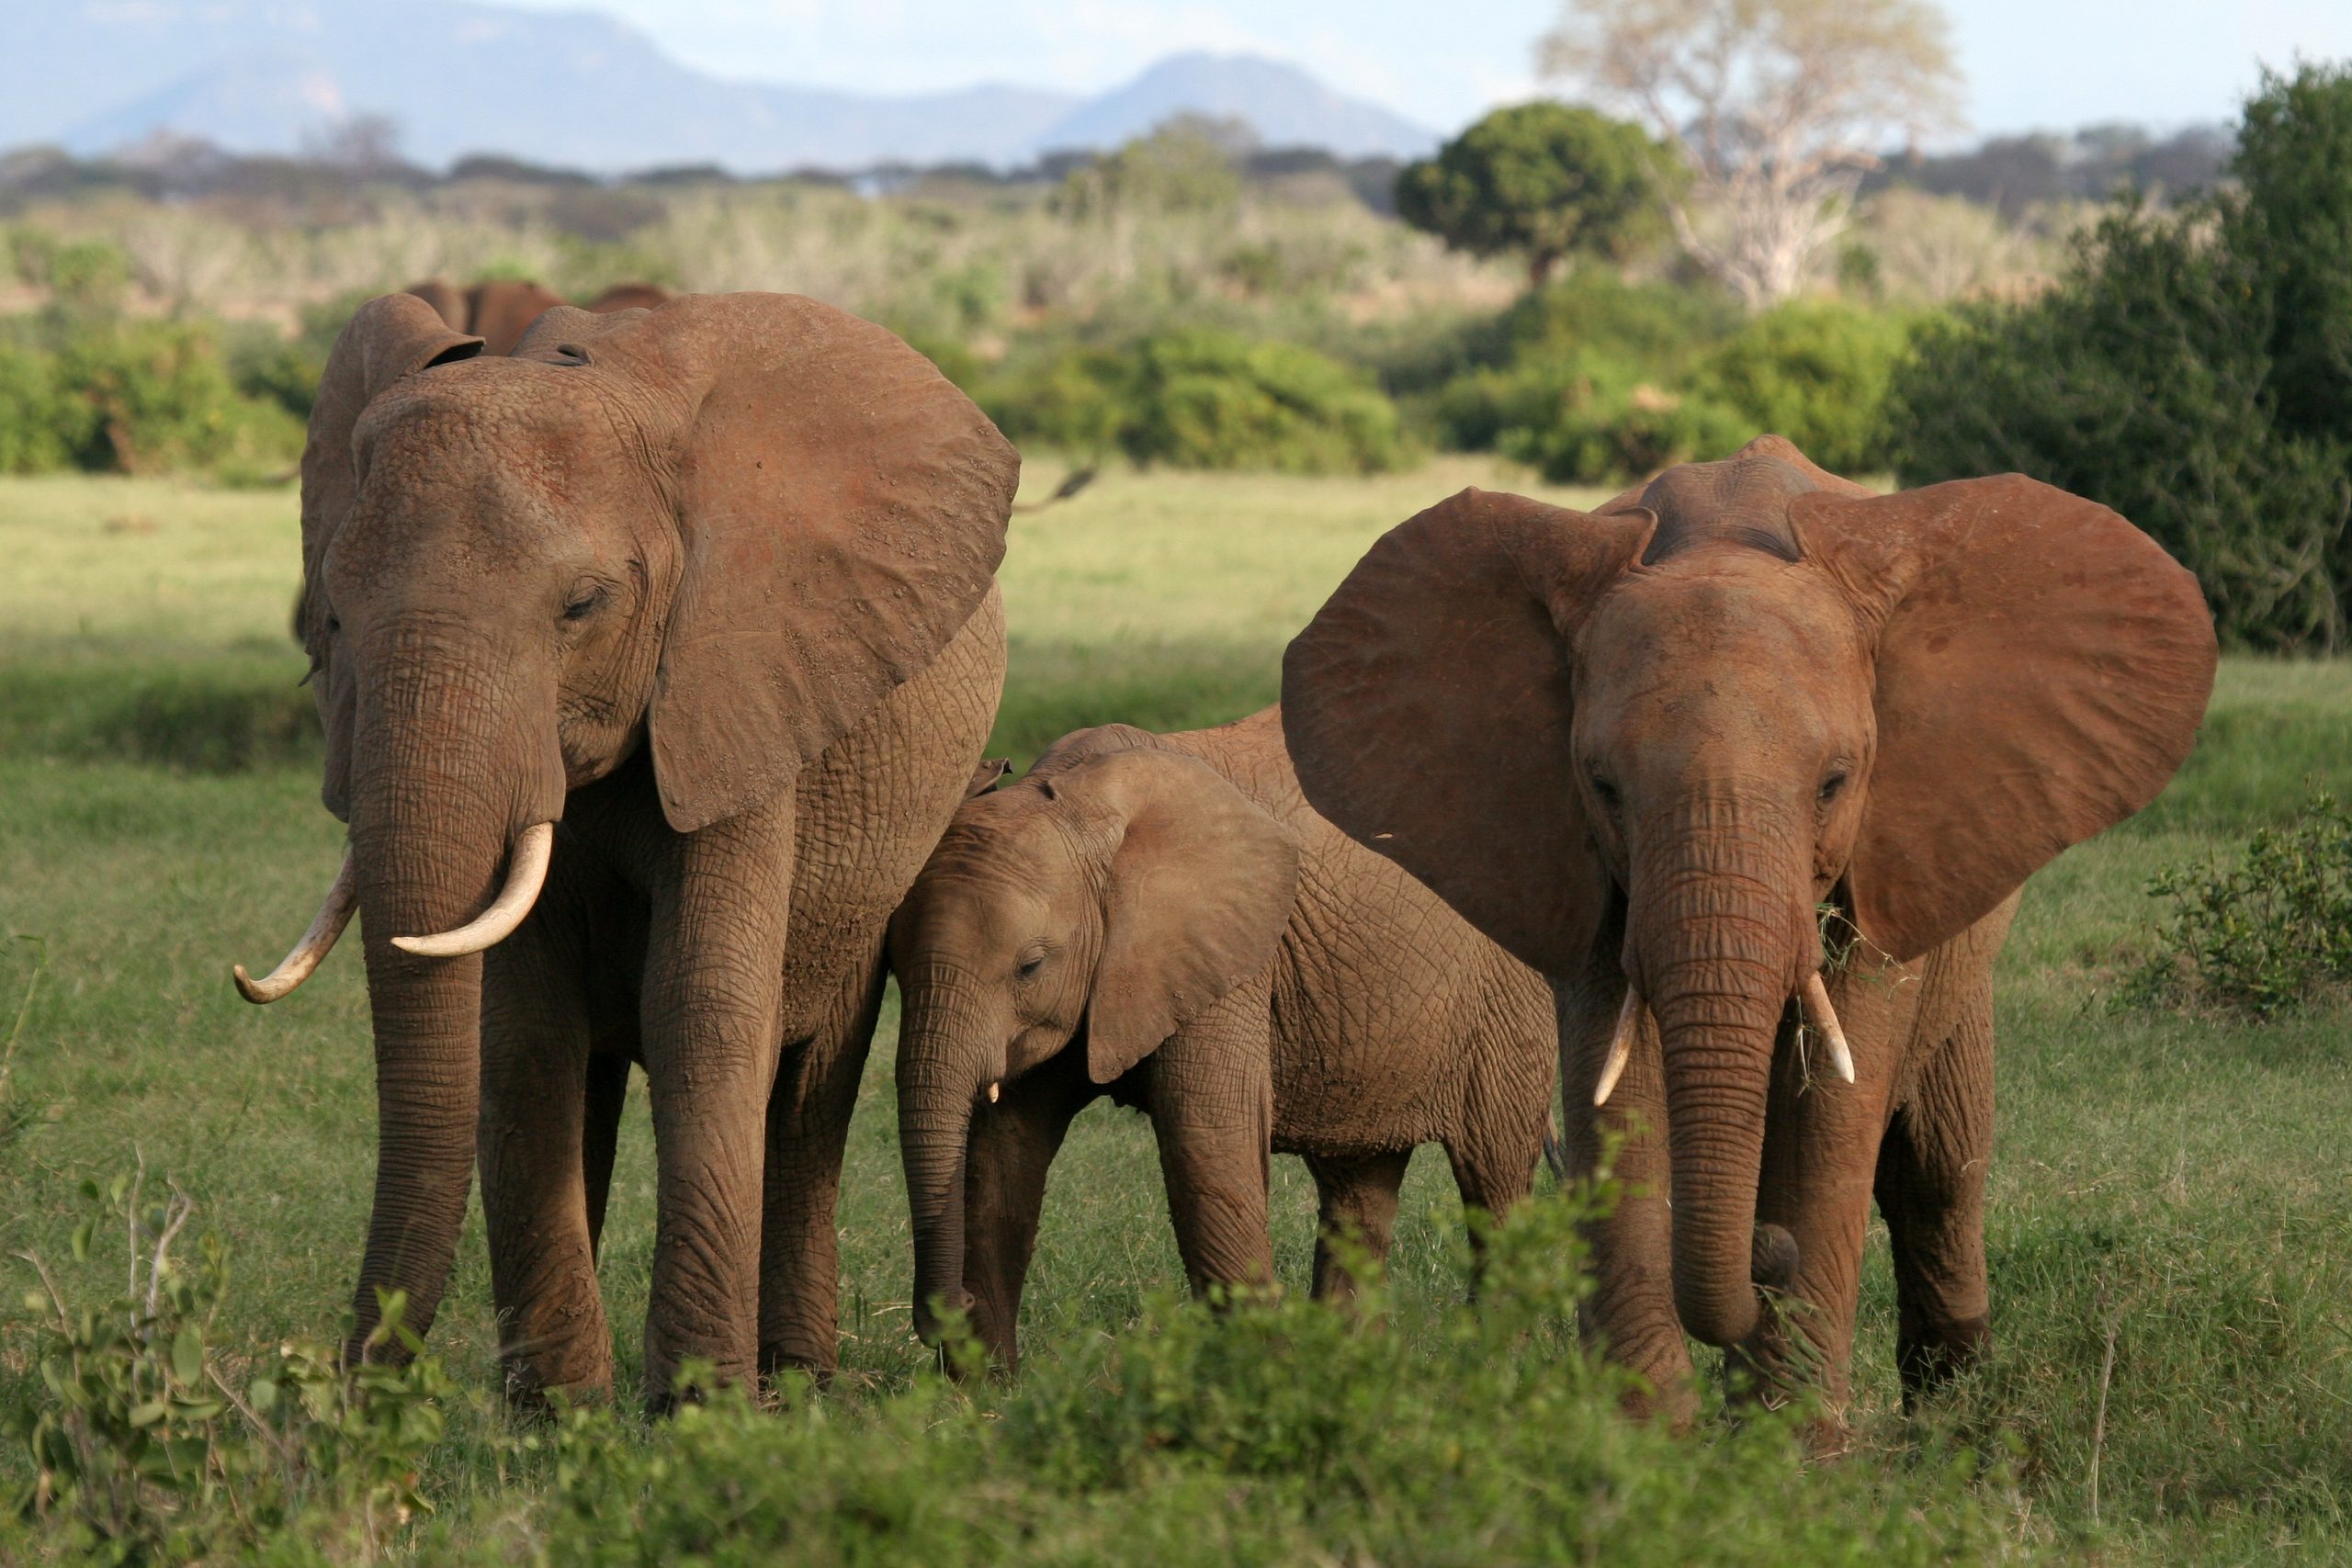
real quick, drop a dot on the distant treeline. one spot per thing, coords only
(180, 169)
(2010, 174)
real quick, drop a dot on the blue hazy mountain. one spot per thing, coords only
(571, 87)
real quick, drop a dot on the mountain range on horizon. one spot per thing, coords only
(579, 89)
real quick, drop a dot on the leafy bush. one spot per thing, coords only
(1813, 371)
(2271, 933)
(1272, 1434)
(96, 391)
(146, 1451)
(1598, 380)
(2193, 371)
(1205, 398)
(35, 418)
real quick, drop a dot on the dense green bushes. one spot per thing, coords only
(1279, 1434)
(1199, 397)
(99, 392)
(1598, 380)
(2191, 371)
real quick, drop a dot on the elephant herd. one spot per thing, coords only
(657, 658)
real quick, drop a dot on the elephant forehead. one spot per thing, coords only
(1724, 626)
(502, 460)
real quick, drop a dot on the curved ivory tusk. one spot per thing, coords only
(1814, 999)
(995, 1089)
(335, 914)
(1621, 1047)
(526, 873)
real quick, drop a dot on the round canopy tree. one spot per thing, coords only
(1543, 180)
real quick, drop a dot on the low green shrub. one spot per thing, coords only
(103, 393)
(1596, 380)
(2272, 932)
(158, 396)
(1270, 1433)
(1607, 422)
(1203, 398)
(37, 420)
(151, 1446)
(1815, 371)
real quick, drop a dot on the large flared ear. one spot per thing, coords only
(1198, 892)
(843, 511)
(1427, 708)
(2042, 669)
(388, 338)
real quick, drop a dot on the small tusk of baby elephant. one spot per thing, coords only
(1621, 1047)
(995, 1089)
(525, 877)
(335, 914)
(1823, 1017)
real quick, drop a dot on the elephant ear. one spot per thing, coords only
(386, 339)
(2042, 669)
(842, 508)
(1427, 707)
(1199, 890)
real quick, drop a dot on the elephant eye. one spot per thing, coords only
(1830, 787)
(582, 604)
(1027, 969)
(1604, 791)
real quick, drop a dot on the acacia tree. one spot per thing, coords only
(1776, 106)
(1542, 180)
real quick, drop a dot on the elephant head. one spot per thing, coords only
(1110, 897)
(718, 533)
(1722, 701)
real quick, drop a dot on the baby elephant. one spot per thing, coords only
(1164, 919)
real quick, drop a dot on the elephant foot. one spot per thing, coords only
(1928, 1359)
(530, 1398)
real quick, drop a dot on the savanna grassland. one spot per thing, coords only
(2171, 1221)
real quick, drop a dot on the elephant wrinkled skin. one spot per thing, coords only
(710, 588)
(1665, 747)
(1163, 919)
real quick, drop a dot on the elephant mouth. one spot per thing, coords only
(1813, 999)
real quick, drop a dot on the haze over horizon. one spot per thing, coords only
(2028, 64)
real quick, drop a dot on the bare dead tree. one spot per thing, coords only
(1777, 105)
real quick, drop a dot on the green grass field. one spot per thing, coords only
(2179, 1190)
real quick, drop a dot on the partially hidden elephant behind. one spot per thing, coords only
(499, 311)
(653, 660)
(1163, 919)
(1752, 764)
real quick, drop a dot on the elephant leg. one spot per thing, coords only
(1212, 1105)
(533, 1147)
(1629, 1315)
(808, 1132)
(607, 1095)
(1821, 1150)
(1931, 1172)
(1505, 1117)
(1013, 1147)
(712, 994)
(1358, 1208)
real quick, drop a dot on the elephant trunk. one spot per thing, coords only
(941, 1066)
(433, 820)
(1716, 946)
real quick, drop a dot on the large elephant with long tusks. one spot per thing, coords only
(653, 660)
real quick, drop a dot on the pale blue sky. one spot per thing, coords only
(2030, 63)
